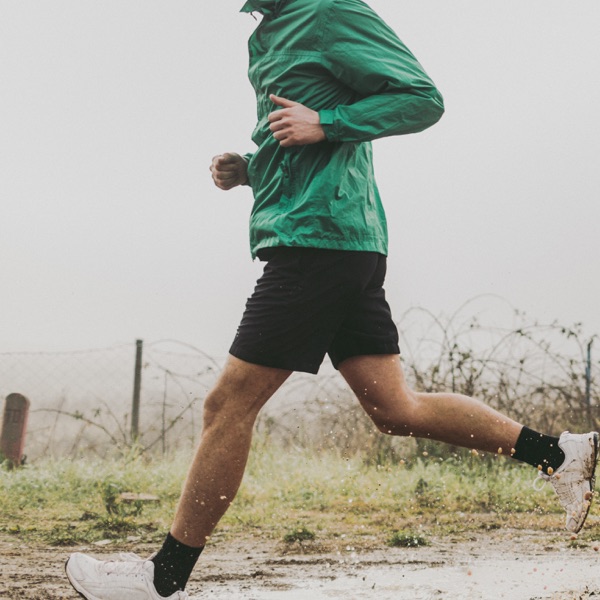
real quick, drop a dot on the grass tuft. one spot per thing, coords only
(404, 539)
(299, 535)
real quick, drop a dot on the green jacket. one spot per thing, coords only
(339, 58)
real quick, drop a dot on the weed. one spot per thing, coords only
(64, 536)
(577, 543)
(114, 528)
(405, 539)
(299, 535)
(427, 495)
(110, 494)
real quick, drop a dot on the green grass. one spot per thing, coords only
(301, 534)
(406, 539)
(286, 495)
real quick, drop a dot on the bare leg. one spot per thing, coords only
(230, 411)
(379, 384)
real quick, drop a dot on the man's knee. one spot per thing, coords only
(214, 408)
(229, 403)
(241, 391)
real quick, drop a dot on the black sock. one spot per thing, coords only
(173, 565)
(537, 449)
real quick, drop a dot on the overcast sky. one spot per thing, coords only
(110, 112)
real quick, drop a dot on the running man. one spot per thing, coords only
(330, 76)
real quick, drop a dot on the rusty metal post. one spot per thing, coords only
(14, 428)
(137, 389)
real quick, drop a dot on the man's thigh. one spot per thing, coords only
(368, 328)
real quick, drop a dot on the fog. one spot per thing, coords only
(111, 229)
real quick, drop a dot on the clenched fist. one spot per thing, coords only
(229, 170)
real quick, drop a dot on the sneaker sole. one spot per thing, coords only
(592, 482)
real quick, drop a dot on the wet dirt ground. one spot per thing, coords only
(511, 564)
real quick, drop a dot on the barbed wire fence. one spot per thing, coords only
(540, 374)
(82, 402)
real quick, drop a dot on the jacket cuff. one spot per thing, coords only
(247, 157)
(327, 120)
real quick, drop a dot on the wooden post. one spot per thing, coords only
(14, 427)
(137, 388)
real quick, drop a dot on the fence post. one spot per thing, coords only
(14, 427)
(588, 385)
(137, 388)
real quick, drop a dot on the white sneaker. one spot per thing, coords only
(114, 580)
(574, 480)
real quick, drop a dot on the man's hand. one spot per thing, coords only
(229, 170)
(295, 124)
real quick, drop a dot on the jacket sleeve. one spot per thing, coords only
(394, 94)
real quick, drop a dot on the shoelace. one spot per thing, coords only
(129, 556)
(132, 556)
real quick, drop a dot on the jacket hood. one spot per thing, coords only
(265, 7)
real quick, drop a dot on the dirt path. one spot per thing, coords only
(516, 565)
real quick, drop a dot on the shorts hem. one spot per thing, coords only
(274, 363)
(338, 359)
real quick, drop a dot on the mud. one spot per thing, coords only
(511, 564)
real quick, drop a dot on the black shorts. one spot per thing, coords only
(311, 302)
